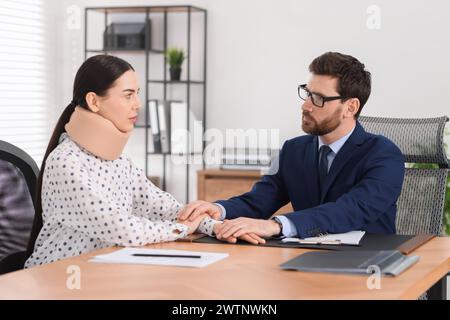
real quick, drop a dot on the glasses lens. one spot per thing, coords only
(317, 100)
(302, 93)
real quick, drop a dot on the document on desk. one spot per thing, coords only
(160, 257)
(349, 238)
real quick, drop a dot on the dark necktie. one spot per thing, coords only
(324, 151)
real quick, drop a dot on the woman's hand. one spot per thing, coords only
(193, 225)
(194, 209)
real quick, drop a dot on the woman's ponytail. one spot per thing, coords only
(59, 129)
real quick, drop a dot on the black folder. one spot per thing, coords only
(368, 242)
(385, 262)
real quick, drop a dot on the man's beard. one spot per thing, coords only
(326, 126)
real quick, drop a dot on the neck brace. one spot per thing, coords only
(96, 134)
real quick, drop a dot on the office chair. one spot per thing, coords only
(27, 166)
(420, 206)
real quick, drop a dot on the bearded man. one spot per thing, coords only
(338, 177)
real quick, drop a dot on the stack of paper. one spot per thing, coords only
(160, 257)
(349, 238)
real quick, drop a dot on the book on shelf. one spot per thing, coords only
(155, 140)
(245, 167)
(248, 159)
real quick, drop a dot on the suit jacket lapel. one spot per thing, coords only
(347, 150)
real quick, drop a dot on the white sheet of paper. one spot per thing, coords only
(352, 238)
(125, 256)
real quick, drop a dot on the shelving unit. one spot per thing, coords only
(188, 83)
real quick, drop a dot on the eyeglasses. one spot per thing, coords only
(317, 99)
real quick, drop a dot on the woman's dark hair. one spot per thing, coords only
(97, 74)
(353, 80)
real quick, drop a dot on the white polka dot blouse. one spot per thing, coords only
(90, 203)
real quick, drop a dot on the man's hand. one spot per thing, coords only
(193, 225)
(249, 237)
(238, 227)
(194, 209)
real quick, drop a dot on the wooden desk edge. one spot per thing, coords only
(413, 292)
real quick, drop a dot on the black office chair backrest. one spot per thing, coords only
(16, 219)
(22, 161)
(420, 206)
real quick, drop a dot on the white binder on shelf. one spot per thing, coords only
(180, 138)
(164, 125)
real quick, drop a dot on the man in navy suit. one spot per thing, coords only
(338, 178)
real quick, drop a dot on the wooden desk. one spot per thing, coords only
(249, 272)
(216, 184)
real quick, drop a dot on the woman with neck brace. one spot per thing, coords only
(90, 195)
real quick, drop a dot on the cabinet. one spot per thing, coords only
(216, 184)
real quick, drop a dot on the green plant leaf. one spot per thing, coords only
(175, 57)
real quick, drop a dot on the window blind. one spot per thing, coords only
(23, 76)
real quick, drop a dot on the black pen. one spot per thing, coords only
(165, 255)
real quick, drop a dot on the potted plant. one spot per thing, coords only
(175, 58)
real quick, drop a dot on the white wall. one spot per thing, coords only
(259, 51)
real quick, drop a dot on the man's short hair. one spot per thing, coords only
(353, 80)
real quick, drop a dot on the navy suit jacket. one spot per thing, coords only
(359, 193)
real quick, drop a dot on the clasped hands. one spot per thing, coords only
(251, 230)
